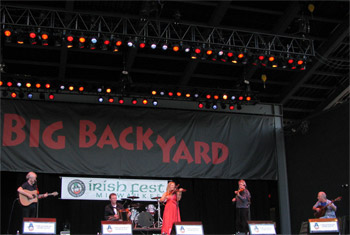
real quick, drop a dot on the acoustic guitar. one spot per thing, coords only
(323, 209)
(25, 201)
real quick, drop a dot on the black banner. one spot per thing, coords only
(132, 141)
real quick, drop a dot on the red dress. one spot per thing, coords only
(171, 214)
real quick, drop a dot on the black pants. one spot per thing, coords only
(29, 211)
(242, 216)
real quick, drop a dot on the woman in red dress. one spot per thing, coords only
(171, 211)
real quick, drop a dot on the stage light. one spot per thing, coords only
(240, 55)
(108, 90)
(261, 57)
(44, 39)
(29, 95)
(220, 53)
(116, 49)
(209, 51)
(118, 42)
(248, 98)
(170, 93)
(224, 59)
(28, 84)
(71, 88)
(82, 41)
(32, 36)
(214, 57)
(215, 106)
(47, 86)
(62, 87)
(274, 64)
(290, 61)
(196, 95)
(216, 97)
(200, 105)
(233, 97)
(240, 97)
(13, 94)
(19, 84)
(164, 46)
(145, 101)
(154, 45)
(154, 92)
(142, 45)
(188, 95)
(300, 62)
(186, 48)
(81, 89)
(134, 101)
(162, 93)
(51, 96)
(7, 33)
(178, 93)
(293, 67)
(38, 85)
(197, 50)
(208, 96)
(231, 107)
(99, 90)
(303, 68)
(100, 99)
(176, 47)
(193, 56)
(105, 44)
(70, 39)
(1, 83)
(234, 60)
(155, 102)
(121, 100)
(93, 40)
(271, 58)
(224, 97)
(110, 99)
(229, 54)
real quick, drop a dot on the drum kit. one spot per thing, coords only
(144, 216)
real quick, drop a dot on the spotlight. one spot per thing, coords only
(99, 90)
(155, 102)
(29, 95)
(110, 99)
(208, 96)
(145, 101)
(261, 57)
(290, 61)
(100, 99)
(216, 97)
(108, 90)
(229, 54)
(188, 95)
(176, 47)
(38, 85)
(300, 62)
(69, 39)
(142, 44)
(134, 101)
(215, 106)
(196, 95)
(62, 87)
(240, 55)
(82, 41)
(154, 45)
(44, 39)
(51, 96)
(271, 58)
(233, 97)
(178, 93)
(197, 50)
(105, 44)
(28, 84)
(1, 83)
(162, 93)
(170, 93)
(193, 56)
(71, 88)
(186, 48)
(121, 100)
(224, 97)
(19, 84)
(32, 36)
(165, 46)
(209, 51)
(130, 43)
(200, 105)
(248, 98)
(8, 34)
(81, 88)
(154, 92)
(220, 53)
(118, 42)
(47, 85)
(274, 64)
(93, 42)
(240, 97)
(13, 94)
(231, 107)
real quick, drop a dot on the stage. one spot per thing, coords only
(146, 230)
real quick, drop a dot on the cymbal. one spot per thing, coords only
(136, 205)
(125, 199)
(133, 197)
(156, 198)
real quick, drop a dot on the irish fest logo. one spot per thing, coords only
(76, 188)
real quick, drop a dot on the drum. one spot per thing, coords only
(151, 209)
(145, 219)
(134, 214)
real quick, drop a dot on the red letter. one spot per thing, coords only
(47, 136)
(84, 133)
(34, 133)
(182, 149)
(9, 129)
(122, 139)
(166, 147)
(143, 138)
(198, 155)
(215, 150)
(108, 134)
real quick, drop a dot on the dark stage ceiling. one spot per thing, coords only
(303, 93)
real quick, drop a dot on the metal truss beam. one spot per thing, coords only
(90, 24)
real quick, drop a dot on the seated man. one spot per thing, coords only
(322, 202)
(112, 209)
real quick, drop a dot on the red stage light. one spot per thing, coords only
(7, 33)
(261, 57)
(209, 52)
(47, 85)
(170, 93)
(13, 95)
(294, 67)
(248, 98)
(106, 42)
(271, 58)
(121, 101)
(44, 36)
(208, 96)
(145, 101)
(70, 38)
(241, 55)
(142, 45)
(134, 101)
(176, 48)
(290, 61)
(32, 35)
(82, 39)
(118, 43)
(81, 88)
(229, 54)
(200, 105)
(178, 93)
(197, 50)
(110, 100)
(240, 98)
(216, 97)
(51, 96)
(231, 107)
(9, 84)
(1, 83)
(38, 85)
(300, 62)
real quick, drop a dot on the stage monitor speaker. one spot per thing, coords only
(187, 228)
(116, 227)
(329, 226)
(262, 227)
(39, 226)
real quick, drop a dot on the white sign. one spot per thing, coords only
(323, 227)
(124, 229)
(81, 188)
(262, 229)
(35, 227)
(189, 229)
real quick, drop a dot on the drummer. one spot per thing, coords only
(114, 209)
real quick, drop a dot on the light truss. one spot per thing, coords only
(148, 29)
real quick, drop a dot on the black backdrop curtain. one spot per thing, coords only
(206, 200)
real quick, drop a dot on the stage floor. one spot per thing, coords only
(146, 231)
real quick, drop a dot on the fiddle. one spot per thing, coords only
(176, 189)
(239, 190)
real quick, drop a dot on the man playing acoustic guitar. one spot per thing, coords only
(29, 190)
(324, 208)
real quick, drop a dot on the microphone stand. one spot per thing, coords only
(37, 204)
